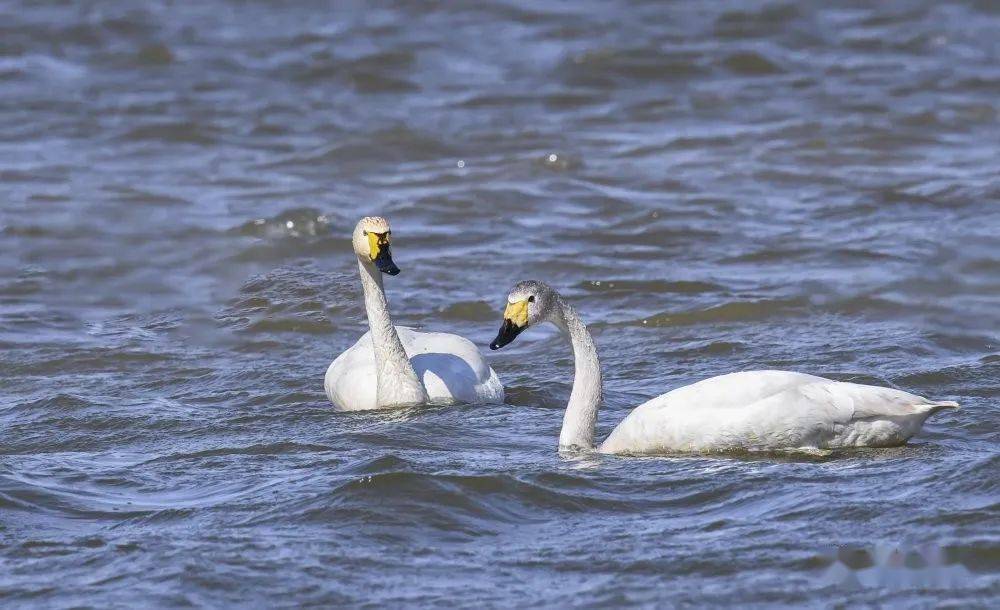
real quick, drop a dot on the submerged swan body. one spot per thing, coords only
(746, 411)
(394, 366)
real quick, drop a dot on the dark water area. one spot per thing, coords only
(716, 186)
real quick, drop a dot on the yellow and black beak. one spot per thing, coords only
(380, 253)
(515, 320)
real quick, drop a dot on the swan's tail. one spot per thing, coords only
(933, 406)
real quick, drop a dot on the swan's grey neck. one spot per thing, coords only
(581, 412)
(396, 383)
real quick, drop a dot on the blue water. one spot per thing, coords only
(715, 187)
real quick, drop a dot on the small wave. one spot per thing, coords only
(178, 132)
(40, 548)
(939, 193)
(866, 304)
(979, 487)
(370, 82)
(24, 494)
(768, 20)
(282, 448)
(475, 311)
(519, 391)
(157, 54)
(389, 146)
(559, 162)
(649, 286)
(656, 237)
(382, 72)
(298, 299)
(749, 63)
(135, 195)
(727, 312)
(40, 66)
(134, 328)
(864, 254)
(711, 348)
(772, 254)
(117, 498)
(382, 463)
(608, 66)
(90, 360)
(29, 280)
(462, 505)
(315, 324)
(986, 370)
(60, 403)
(296, 222)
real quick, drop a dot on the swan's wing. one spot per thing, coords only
(770, 409)
(451, 367)
(731, 391)
(718, 413)
(868, 401)
(350, 379)
(831, 414)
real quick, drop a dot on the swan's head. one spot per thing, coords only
(371, 243)
(528, 303)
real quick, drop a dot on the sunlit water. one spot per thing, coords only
(716, 187)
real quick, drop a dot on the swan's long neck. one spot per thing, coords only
(396, 382)
(581, 412)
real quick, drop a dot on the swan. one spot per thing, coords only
(395, 366)
(745, 411)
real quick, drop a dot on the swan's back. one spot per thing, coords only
(760, 410)
(732, 390)
(451, 367)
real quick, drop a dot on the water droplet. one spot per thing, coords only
(553, 158)
(460, 164)
(289, 224)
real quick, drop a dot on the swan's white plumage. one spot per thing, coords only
(751, 411)
(394, 366)
(451, 368)
(761, 410)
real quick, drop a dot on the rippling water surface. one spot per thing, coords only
(716, 186)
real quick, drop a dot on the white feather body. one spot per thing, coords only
(762, 410)
(451, 368)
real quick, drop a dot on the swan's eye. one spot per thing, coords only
(531, 299)
(365, 233)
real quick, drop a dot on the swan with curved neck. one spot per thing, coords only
(745, 411)
(396, 366)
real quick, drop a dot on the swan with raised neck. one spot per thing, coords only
(396, 382)
(395, 366)
(744, 411)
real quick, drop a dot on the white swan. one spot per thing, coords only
(395, 366)
(749, 411)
